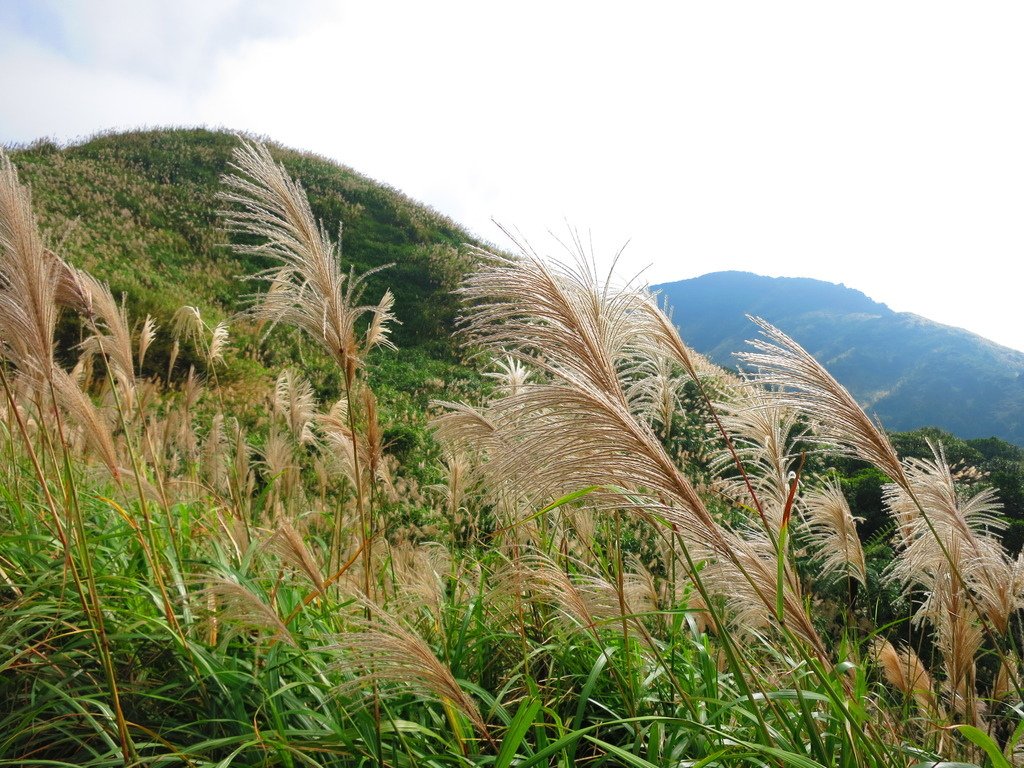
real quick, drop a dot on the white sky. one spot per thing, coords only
(877, 144)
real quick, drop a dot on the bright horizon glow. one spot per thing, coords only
(876, 145)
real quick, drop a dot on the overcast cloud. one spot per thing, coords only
(874, 144)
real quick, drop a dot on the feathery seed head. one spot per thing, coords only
(238, 607)
(904, 671)
(806, 386)
(379, 650)
(146, 337)
(308, 287)
(832, 531)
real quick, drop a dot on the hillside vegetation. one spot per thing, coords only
(607, 552)
(140, 211)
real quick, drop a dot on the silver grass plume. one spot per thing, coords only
(242, 477)
(155, 442)
(339, 445)
(308, 287)
(380, 651)
(474, 433)
(181, 436)
(536, 578)
(235, 533)
(191, 390)
(950, 611)
(295, 403)
(904, 671)
(1003, 595)
(510, 374)
(952, 520)
(932, 485)
(95, 429)
(188, 324)
(374, 437)
(215, 456)
(289, 545)
(146, 337)
(421, 572)
(456, 471)
(656, 389)
(240, 609)
(175, 350)
(466, 428)
(748, 582)
(831, 531)
(33, 282)
(763, 433)
(218, 343)
(29, 280)
(280, 468)
(806, 386)
(148, 392)
(578, 430)
(584, 331)
(111, 338)
(586, 602)
(606, 603)
(1005, 685)
(668, 341)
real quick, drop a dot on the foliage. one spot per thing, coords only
(602, 549)
(139, 210)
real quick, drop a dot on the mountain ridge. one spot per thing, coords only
(909, 370)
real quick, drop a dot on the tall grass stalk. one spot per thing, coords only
(782, 362)
(92, 602)
(153, 550)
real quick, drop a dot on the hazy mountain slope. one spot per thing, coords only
(908, 370)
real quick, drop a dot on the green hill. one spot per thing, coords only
(140, 211)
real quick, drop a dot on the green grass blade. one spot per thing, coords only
(517, 731)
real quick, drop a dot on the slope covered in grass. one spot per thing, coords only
(139, 210)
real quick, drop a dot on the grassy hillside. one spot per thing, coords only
(139, 210)
(909, 371)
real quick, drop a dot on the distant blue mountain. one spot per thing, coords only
(907, 370)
